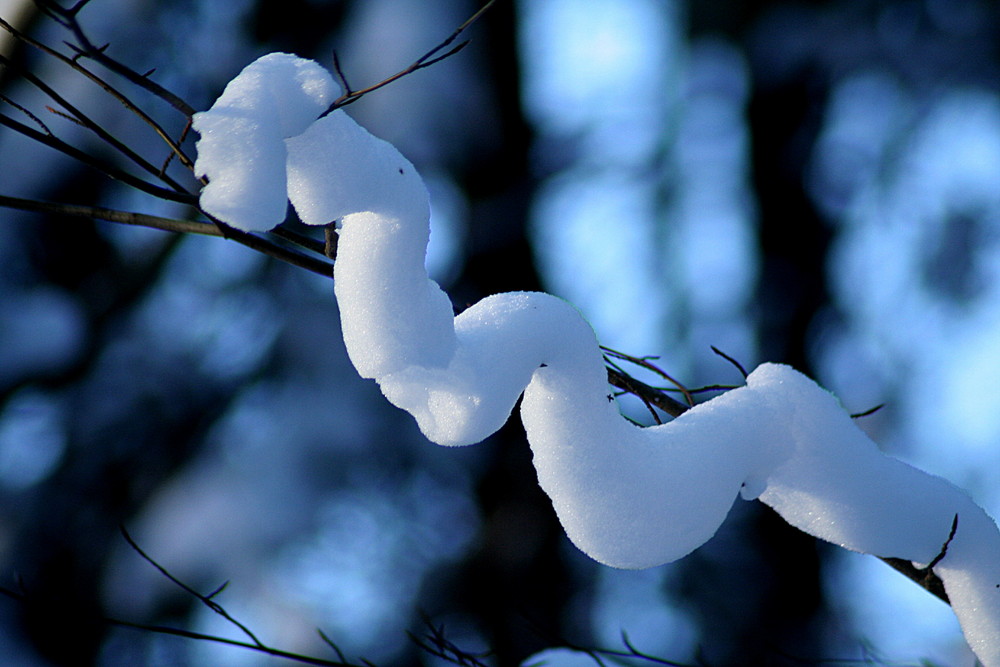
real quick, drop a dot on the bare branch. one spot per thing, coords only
(644, 362)
(310, 244)
(253, 241)
(107, 169)
(179, 632)
(76, 115)
(205, 599)
(86, 49)
(33, 117)
(109, 89)
(649, 395)
(435, 642)
(432, 57)
(329, 642)
(869, 411)
(268, 247)
(110, 215)
(341, 77)
(731, 360)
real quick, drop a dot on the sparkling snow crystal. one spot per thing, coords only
(629, 497)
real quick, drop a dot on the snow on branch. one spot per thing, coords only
(629, 497)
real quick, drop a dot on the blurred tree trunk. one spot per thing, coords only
(516, 585)
(770, 596)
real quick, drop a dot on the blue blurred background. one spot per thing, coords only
(815, 183)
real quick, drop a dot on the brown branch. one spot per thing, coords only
(650, 395)
(180, 632)
(644, 362)
(108, 88)
(925, 576)
(301, 240)
(76, 115)
(432, 57)
(84, 48)
(253, 241)
(107, 169)
(268, 247)
(111, 215)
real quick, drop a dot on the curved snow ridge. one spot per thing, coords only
(629, 497)
(275, 97)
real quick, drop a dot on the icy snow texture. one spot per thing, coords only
(276, 97)
(629, 497)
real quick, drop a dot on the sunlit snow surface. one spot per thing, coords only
(628, 497)
(275, 97)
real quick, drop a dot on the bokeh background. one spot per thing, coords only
(815, 183)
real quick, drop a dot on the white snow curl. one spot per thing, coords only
(275, 97)
(629, 497)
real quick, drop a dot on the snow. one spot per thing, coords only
(242, 148)
(629, 497)
(560, 657)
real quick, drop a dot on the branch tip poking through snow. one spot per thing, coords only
(629, 497)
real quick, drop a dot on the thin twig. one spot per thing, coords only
(175, 147)
(341, 77)
(731, 360)
(268, 247)
(329, 642)
(432, 57)
(261, 244)
(179, 632)
(644, 362)
(26, 112)
(650, 395)
(709, 387)
(621, 656)
(268, 650)
(307, 242)
(205, 599)
(944, 547)
(85, 121)
(86, 49)
(177, 152)
(107, 169)
(111, 215)
(436, 643)
(869, 411)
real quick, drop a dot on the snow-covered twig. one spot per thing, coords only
(628, 497)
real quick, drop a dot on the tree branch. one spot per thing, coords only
(76, 115)
(111, 215)
(104, 85)
(67, 17)
(253, 241)
(430, 58)
(189, 634)
(105, 168)
(924, 576)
